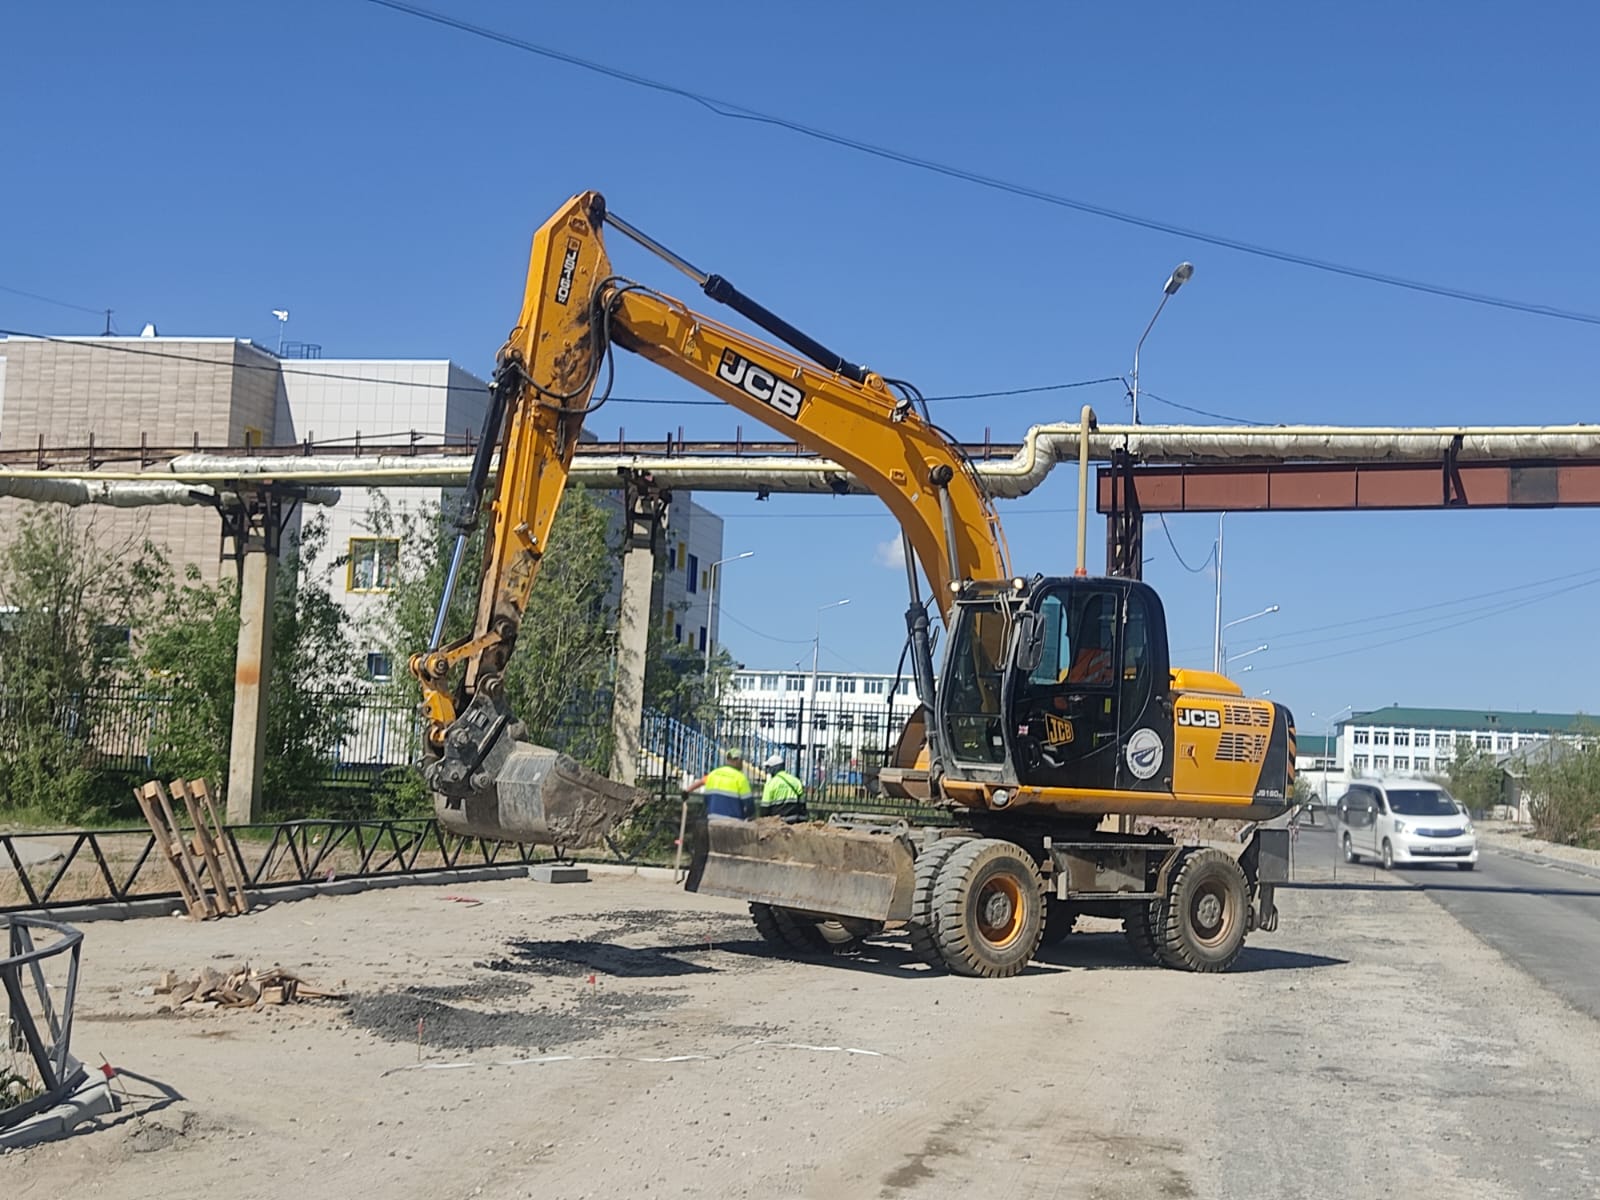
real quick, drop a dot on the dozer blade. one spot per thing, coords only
(540, 797)
(814, 868)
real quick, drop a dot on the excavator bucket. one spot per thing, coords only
(822, 869)
(540, 797)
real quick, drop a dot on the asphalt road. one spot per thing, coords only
(1544, 919)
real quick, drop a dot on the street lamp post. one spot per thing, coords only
(283, 319)
(1236, 657)
(711, 605)
(811, 693)
(1328, 744)
(1219, 652)
(1176, 280)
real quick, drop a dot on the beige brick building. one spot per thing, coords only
(171, 391)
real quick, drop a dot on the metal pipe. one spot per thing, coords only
(1085, 423)
(450, 578)
(52, 487)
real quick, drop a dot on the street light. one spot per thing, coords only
(1219, 651)
(811, 695)
(283, 319)
(711, 604)
(1233, 658)
(1176, 280)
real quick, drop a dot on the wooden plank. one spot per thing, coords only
(232, 860)
(206, 845)
(147, 797)
(159, 795)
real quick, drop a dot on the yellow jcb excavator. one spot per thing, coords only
(1056, 704)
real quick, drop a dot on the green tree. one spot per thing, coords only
(1564, 783)
(558, 680)
(70, 591)
(1475, 779)
(191, 645)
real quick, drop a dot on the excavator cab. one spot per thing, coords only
(1061, 683)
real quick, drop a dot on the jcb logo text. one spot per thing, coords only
(760, 383)
(1200, 718)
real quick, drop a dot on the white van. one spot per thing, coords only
(1405, 821)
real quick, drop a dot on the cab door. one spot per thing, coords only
(1077, 712)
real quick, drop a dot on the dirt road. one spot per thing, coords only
(1370, 1047)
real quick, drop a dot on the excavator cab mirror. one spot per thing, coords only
(1030, 641)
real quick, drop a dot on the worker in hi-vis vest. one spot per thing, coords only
(783, 794)
(727, 790)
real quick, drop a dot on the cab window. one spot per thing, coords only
(974, 673)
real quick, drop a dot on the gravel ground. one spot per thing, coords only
(621, 1038)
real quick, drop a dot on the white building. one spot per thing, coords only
(351, 402)
(850, 718)
(1424, 741)
(691, 542)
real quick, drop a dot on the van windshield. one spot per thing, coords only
(1422, 803)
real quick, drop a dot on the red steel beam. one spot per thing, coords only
(1342, 487)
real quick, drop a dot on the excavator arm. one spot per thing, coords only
(489, 779)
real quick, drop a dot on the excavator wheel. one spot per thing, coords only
(923, 924)
(989, 906)
(1139, 927)
(1059, 919)
(766, 919)
(1205, 913)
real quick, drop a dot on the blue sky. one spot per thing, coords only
(199, 164)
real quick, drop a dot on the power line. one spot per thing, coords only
(99, 312)
(1179, 557)
(1204, 412)
(769, 637)
(738, 112)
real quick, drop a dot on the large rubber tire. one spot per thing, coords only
(1205, 913)
(924, 919)
(989, 901)
(1059, 918)
(1350, 855)
(766, 920)
(1387, 857)
(845, 933)
(1465, 866)
(1139, 927)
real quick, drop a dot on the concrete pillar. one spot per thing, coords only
(258, 583)
(633, 636)
(645, 509)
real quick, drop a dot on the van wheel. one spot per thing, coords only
(1202, 922)
(1350, 855)
(1388, 855)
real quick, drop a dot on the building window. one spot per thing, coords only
(1502, 742)
(1422, 741)
(677, 632)
(1402, 737)
(846, 721)
(683, 551)
(692, 583)
(791, 721)
(794, 683)
(1358, 764)
(253, 437)
(819, 720)
(870, 723)
(1444, 741)
(1421, 765)
(702, 646)
(1482, 741)
(1380, 737)
(1361, 737)
(1402, 763)
(767, 718)
(825, 684)
(1380, 762)
(769, 683)
(847, 686)
(379, 666)
(873, 687)
(374, 562)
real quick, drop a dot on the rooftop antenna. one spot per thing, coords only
(108, 324)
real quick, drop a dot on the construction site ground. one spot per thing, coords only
(622, 1038)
